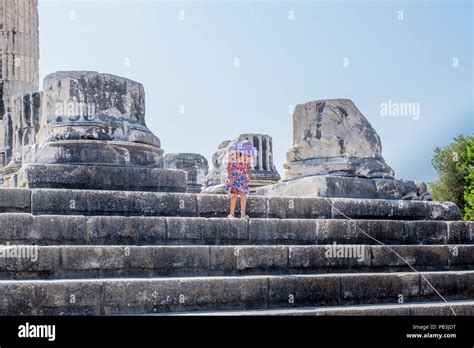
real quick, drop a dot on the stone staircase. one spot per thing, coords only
(129, 253)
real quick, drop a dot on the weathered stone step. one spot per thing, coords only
(15, 200)
(155, 261)
(116, 230)
(84, 202)
(430, 308)
(137, 296)
(104, 177)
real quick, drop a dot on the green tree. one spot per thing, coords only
(455, 174)
(468, 166)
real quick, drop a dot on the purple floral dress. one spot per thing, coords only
(240, 179)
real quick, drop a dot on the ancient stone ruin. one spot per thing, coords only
(90, 210)
(19, 75)
(90, 134)
(19, 48)
(263, 171)
(337, 153)
(333, 137)
(195, 166)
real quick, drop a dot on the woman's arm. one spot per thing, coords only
(229, 171)
(248, 170)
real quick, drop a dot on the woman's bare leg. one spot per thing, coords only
(233, 201)
(243, 203)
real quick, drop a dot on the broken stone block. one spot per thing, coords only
(333, 137)
(90, 105)
(92, 135)
(195, 166)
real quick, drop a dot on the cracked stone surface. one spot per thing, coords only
(333, 137)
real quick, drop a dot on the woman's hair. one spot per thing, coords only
(239, 156)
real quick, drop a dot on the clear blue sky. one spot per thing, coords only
(190, 62)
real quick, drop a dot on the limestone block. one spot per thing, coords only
(458, 284)
(321, 186)
(16, 227)
(218, 165)
(402, 210)
(290, 208)
(347, 187)
(60, 229)
(84, 202)
(273, 231)
(461, 255)
(90, 105)
(195, 166)
(15, 200)
(176, 259)
(94, 177)
(458, 232)
(317, 257)
(184, 294)
(248, 258)
(200, 230)
(333, 137)
(92, 258)
(379, 288)
(292, 291)
(360, 231)
(434, 256)
(218, 206)
(90, 152)
(125, 230)
(57, 294)
(430, 232)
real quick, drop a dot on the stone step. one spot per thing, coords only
(123, 203)
(104, 177)
(15, 201)
(153, 295)
(116, 230)
(431, 308)
(42, 262)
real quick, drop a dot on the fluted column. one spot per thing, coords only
(18, 131)
(20, 51)
(272, 164)
(19, 54)
(268, 153)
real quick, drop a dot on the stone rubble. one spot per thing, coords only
(337, 153)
